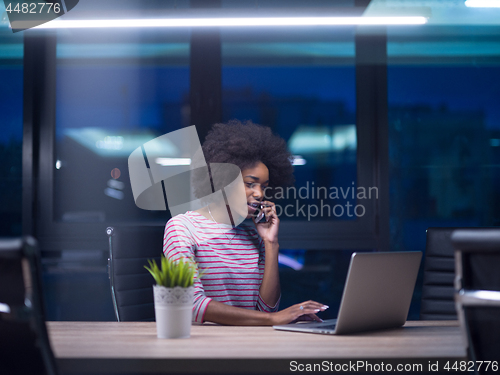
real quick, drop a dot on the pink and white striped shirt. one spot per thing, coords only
(231, 268)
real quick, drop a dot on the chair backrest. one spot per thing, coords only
(439, 271)
(131, 284)
(477, 295)
(24, 343)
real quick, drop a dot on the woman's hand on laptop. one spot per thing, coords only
(301, 311)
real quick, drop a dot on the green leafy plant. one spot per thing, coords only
(173, 273)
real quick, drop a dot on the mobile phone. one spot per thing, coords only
(259, 214)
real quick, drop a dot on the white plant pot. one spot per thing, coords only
(173, 311)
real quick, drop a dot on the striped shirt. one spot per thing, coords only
(230, 260)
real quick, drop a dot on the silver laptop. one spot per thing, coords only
(377, 295)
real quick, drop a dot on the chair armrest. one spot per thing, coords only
(478, 298)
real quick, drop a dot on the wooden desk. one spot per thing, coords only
(130, 347)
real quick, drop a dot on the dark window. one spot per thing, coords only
(115, 91)
(11, 133)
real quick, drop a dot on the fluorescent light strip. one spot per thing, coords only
(298, 160)
(482, 3)
(169, 162)
(229, 22)
(290, 262)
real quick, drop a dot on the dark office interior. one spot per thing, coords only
(407, 113)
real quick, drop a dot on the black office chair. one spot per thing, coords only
(477, 295)
(131, 284)
(439, 272)
(24, 342)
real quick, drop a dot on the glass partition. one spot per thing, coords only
(116, 90)
(302, 85)
(444, 131)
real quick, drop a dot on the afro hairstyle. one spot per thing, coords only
(245, 144)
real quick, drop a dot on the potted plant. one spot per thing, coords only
(173, 296)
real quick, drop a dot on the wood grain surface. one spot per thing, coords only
(85, 340)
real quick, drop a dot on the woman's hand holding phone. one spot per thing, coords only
(259, 214)
(268, 223)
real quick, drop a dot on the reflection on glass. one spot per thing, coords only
(318, 123)
(116, 90)
(444, 161)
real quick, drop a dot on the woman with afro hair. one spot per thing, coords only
(239, 279)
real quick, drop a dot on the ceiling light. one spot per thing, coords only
(226, 22)
(169, 162)
(482, 3)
